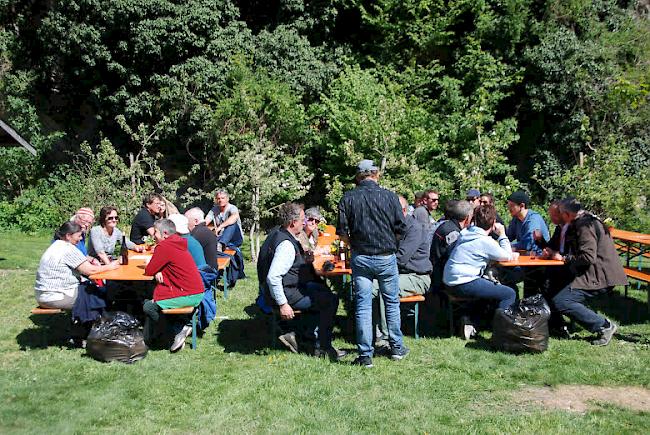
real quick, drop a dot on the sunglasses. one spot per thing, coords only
(112, 218)
(313, 220)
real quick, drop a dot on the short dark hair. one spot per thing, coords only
(151, 197)
(104, 212)
(68, 227)
(458, 210)
(485, 216)
(489, 196)
(289, 212)
(570, 205)
(428, 192)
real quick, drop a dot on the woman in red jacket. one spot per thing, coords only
(179, 282)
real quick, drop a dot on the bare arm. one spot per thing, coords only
(88, 269)
(232, 219)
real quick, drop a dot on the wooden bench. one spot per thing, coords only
(229, 251)
(185, 311)
(455, 304)
(222, 265)
(639, 275)
(414, 299)
(40, 311)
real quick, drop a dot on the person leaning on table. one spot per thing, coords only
(104, 236)
(179, 282)
(595, 267)
(59, 277)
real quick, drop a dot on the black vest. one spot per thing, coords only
(291, 280)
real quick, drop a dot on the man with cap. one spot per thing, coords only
(524, 222)
(182, 229)
(308, 237)
(473, 197)
(370, 219)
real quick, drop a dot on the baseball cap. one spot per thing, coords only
(366, 166)
(473, 193)
(519, 197)
(181, 223)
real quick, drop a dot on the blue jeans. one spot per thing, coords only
(317, 297)
(482, 288)
(366, 268)
(570, 301)
(230, 236)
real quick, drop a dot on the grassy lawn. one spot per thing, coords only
(235, 383)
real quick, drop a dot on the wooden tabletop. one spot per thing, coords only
(339, 270)
(527, 260)
(134, 271)
(630, 236)
(327, 237)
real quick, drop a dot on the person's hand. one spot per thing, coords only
(113, 265)
(548, 253)
(537, 235)
(499, 229)
(286, 312)
(557, 256)
(309, 257)
(159, 277)
(138, 248)
(94, 261)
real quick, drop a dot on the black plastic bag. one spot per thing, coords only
(522, 327)
(116, 336)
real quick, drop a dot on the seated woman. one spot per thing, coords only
(471, 255)
(308, 237)
(59, 276)
(104, 236)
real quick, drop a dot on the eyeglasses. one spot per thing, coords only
(484, 202)
(113, 218)
(313, 220)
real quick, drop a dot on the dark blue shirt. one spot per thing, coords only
(413, 252)
(372, 218)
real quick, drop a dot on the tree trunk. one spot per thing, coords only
(255, 239)
(133, 182)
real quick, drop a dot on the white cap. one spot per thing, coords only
(181, 223)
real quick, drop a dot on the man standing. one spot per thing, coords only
(143, 222)
(288, 281)
(430, 202)
(227, 224)
(459, 217)
(370, 219)
(595, 266)
(179, 283)
(203, 235)
(524, 222)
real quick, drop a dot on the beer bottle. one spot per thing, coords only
(124, 252)
(342, 252)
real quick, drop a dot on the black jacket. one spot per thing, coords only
(413, 251)
(443, 241)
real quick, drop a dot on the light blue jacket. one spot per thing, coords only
(523, 231)
(473, 250)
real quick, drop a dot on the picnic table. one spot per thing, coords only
(527, 261)
(633, 245)
(134, 271)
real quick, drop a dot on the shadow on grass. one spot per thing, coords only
(51, 330)
(246, 336)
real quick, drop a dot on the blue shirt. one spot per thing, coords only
(195, 248)
(522, 231)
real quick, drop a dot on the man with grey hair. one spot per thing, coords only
(594, 265)
(370, 219)
(289, 282)
(205, 237)
(179, 282)
(227, 224)
(459, 217)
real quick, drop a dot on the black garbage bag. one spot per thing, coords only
(522, 327)
(116, 336)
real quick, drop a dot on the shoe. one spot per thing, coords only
(179, 339)
(399, 354)
(467, 330)
(289, 340)
(561, 333)
(606, 334)
(363, 361)
(333, 353)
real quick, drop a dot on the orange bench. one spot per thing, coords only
(639, 275)
(39, 311)
(414, 299)
(185, 310)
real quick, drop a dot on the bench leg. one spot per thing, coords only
(416, 325)
(194, 315)
(225, 283)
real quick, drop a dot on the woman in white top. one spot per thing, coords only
(104, 236)
(61, 268)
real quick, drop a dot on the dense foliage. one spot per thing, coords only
(278, 100)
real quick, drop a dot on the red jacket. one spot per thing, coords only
(180, 275)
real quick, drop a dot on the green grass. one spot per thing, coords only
(235, 383)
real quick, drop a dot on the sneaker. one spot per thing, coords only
(179, 339)
(333, 353)
(606, 334)
(289, 340)
(467, 330)
(363, 361)
(399, 354)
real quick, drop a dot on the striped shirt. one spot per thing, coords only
(372, 218)
(57, 273)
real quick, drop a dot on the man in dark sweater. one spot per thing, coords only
(371, 220)
(207, 239)
(142, 225)
(413, 264)
(459, 217)
(594, 265)
(289, 282)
